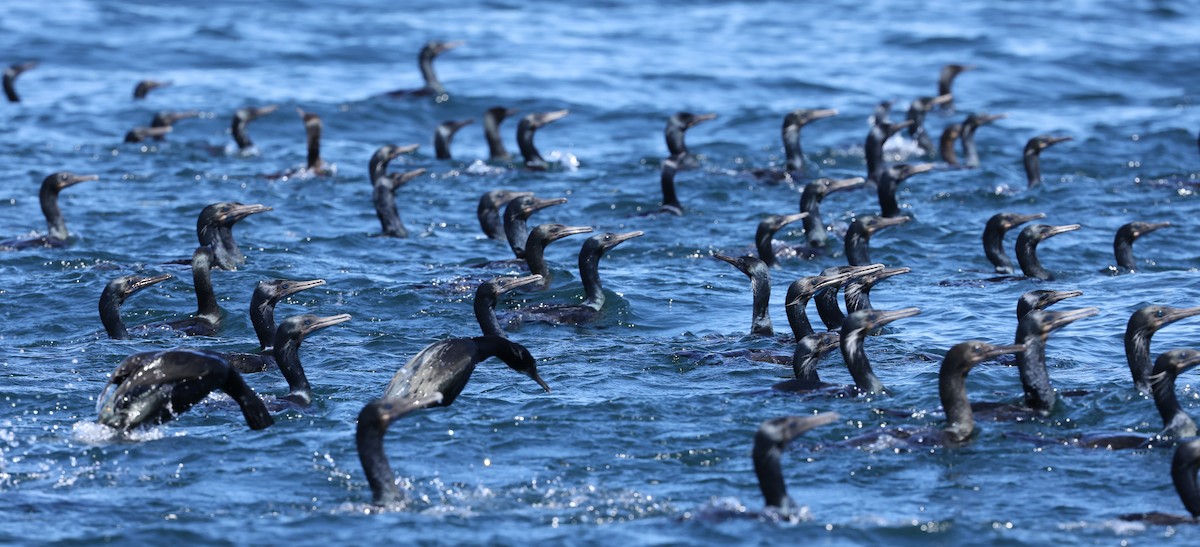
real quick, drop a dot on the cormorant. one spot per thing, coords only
(916, 113)
(1123, 242)
(488, 211)
(858, 236)
(952, 385)
(425, 59)
(114, 294)
(139, 134)
(802, 290)
(854, 331)
(993, 237)
(57, 227)
(485, 301)
(1142, 325)
(445, 367)
(810, 202)
(207, 319)
(373, 422)
(383, 196)
(946, 144)
(262, 316)
(165, 118)
(377, 166)
(445, 134)
(946, 81)
(973, 122)
(525, 131)
(589, 273)
(146, 86)
(244, 116)
(670, 202)
(858, 288)
(1027, 244)
(535, 247)
(516, 213)
(286, 344)
(772, 438)
(826, 298)
(1032, 331)
(890, 178)
(873, 148)
(214, 228)
(677, 126)
(760, 288)
(809, 351)
(1041, 299)
(1033, 151)
(491, 131)
(766, 232)
(10, 78)
(1184, 465)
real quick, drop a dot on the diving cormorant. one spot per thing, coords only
(1033, 151)
(993, 237)
(445, 367)
(48, 197)
(1027, 244)
(525, 131)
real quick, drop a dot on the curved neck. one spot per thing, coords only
(10, 91)
(970, 155)
(1033, 169)
(857, 245)
(533, 159)
(858, 295)
(791, 147)
(827, 308)
(238, 128)
(589, 273)
(516, 231)
(369, 438)
(1176, 422)
(798, 317)
(1123, 249)
(385, 208)
(814, 226)
(873, 149)
(262, 317)
(1039, 394)
(805, 359)
(917, 130)
(946, 146)
(770, 473)
(425, 62)
(762, 243)
(1027, 258)
(668, 188)
(287, 356)
(1137, 353)
(314, 147)
(856, 360)
(226, 254)
(675, 144)
(54, 219)
(887, 196)
(535, 251)
(489, 220)
(993, 247)
(206, 300)
(491, 132)
(441, 143)
(110, 316)
(485, 314)
(760, 287)
(256, 413)
(952, 388)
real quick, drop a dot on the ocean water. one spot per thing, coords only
(646, 436)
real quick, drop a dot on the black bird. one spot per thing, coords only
(485, 301)
(491, 131)
(445, 134)
(946, 81)
(793, 122)
(952, 385)
(166, 118)
(677, 126)
(854, 332)
(1032, 332)
(1184, 466)
(373, 422)
(993, 237)
(1123, 242)
(873, 148)
(890, 178)
(973, 122)
(535, 247)
(880, 114)
(760, 288)
(445, 367)
(525, 131)
(1141, 327)
(1041, 299)
(10, 78)
(383, 196)
(772, 438)
(516, 213)
(313, 164)
(214, 228)
(1177, 424)
(802, 290)
(858, 236)
(810, 202)
(48, 197)
(488, 211)
(1033, 151)
(589, 273)
(154, 387)
(765, 233)
(378, 165)
(114, 294)
(262, 316)
(139, 134)
(287, 340)
(858, 288)
(809, 351)
(826, 298)
(1027, 244)
(425, 59)
(916, 114)
(946, 144)
(207, 319)
(144, 87)
(242, 117)
(670, 202)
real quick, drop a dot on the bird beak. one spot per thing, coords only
(797, 425)
(732, 261)
(844, 184)
(889, 272)
(539, 381)
(1055, 230)
(618, 238)
(298, 286)
(506, 284)
(919, 168)
(538, 204)
(702, 118)
(1064, 318)
(889, 316)
(447, 46)
(147, 281)
(543, 118)
(996, 351)
(323, 322)
(263, 111)
(573, 230)
(397, 151)
(822, 113)
(243, 211)
(76, 179)
(1022, 219)
(942, 99)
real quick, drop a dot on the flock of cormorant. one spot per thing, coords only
(156, 386)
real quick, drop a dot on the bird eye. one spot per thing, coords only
(1159, 313)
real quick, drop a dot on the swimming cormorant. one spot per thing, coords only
(952, 385)
(826, 298)
(854, 331)
(993, 237)
(286, 344)
(1033, 151)
(146, 86)
(1141, 326)
(946, 81)
(516, 213)
(207, 319)
(1032, 331)
(858, 236)
(384, 155)
(677, 126)
(313, 164)
(491, 131)
(10, 78)
(488, 211)
(485, 301)
(802, 290)
(425, 59)
(139, 134)
(946, 144)
(525, 131)
(793, 122)
(55, 224)
(809, 351)
(772, 437)
(1123, 242)
(262, 316)
(873, 148)
(973, 122)
(766, 232)
(1184, 466)
(535, 248)
(244, 116)
(214, 228)
(810, 202)
(1041, 299)
(1027, 244)
(1177, 424)
(446, 367)
(445, 134)
(880, 114)
(916, 113)
(890, 178)
(373, 422)
(670, 202)
(857, 291)
(589, 273)
(760, 288)
(114, 294)
(165, 118)
(154, 387)
(383, 196)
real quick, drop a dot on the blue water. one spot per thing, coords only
(644, 430)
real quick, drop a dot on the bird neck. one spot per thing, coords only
(873, 149)
(54, 219)
(262, 317)
(535, 258)
(10, 90)
(1031, 364)
(970, 155)
(1176, 422)
(791, 147)
(814, 226)
(287, 356)
(516, 230)
(256, 413)
(491, 132)
(674, 135)
(385, 208)
(314, 147)
(1123, 249)
(485, 313)
(993, 247)
(857, 245)
(431, 80)
(1033, 169)
(952, 388)
(206, 300)
(946, 148)
(804, 361)
(760, 288)
(441, 143)
(770, 473)
(1137, 353)
(238, 128)
(1027, 258)
(886, 191)
(369, 438)
(797, 316)
(525, 133)
(668, 188)
(827, 308)
(589, 274)
(856, 360)
(858, 295)
(110, 315)
(762, 243)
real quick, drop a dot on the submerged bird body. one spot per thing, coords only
(56, 225)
